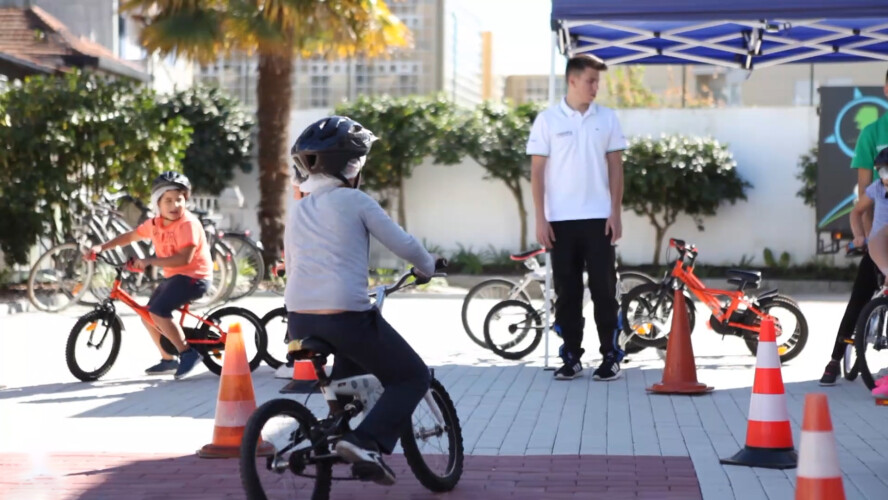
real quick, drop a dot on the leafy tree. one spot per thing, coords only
(678, 174)
(410, 129)
(276, 30)
(626, 88)
(220, 141)
(62, 138)
(495, 136)
(807, 173)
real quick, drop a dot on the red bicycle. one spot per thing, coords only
(99, 332)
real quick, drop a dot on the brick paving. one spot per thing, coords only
(161, 477)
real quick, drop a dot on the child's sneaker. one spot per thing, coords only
(188, 359)
(366, 460)
(830, 373)
(164, 367)
(882, 381)
(881, 391)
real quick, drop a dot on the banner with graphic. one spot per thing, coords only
(844, 112)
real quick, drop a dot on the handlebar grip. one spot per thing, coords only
(441, 264)
(129, 267)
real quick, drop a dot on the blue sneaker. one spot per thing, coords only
(188, 359)
(164, 367)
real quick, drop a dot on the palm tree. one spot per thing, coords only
(277, 31)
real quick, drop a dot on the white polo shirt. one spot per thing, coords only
(576, 170)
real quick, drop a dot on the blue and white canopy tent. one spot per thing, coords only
(748, 35)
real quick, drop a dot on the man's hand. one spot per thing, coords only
(545, 235)
(614, 227)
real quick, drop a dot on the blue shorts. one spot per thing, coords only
(174, 292)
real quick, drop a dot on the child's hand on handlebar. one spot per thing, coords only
(137, 264)
(859, 242)
(91, 252)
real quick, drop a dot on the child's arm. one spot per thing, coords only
(864, 205)
(122, 240)
(402, 244)
(182, 258)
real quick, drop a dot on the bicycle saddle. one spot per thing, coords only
(308, 347)
(528, 254)
(744, 278)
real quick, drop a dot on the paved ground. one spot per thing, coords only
(510, 411)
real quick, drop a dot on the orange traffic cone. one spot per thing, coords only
(304, 379)
(819, 476)
(768, 433)
(680, 374)
(236, 401)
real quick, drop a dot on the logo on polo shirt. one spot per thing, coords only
(566, 133)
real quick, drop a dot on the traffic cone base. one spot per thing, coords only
(680, 373)
(881, 401)
(768, 458)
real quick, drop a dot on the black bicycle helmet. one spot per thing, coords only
(328, 145)
(171, 180)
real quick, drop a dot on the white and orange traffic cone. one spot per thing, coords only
(768, 432)
(236, 401)
(819, 476)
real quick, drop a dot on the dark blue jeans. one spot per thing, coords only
(366, 343)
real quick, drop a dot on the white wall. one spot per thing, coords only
(451, 205)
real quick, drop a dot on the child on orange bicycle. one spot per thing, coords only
(326, 245)
(181, 249)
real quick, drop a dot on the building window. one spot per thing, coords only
(320, 91)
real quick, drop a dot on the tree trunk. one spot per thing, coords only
(659, 243)
(522, 212)
(274, 92)
(402, 210)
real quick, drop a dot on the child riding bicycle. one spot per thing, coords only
(181, 250)
(326, 247)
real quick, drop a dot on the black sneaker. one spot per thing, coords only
(164, 367)
(830, 373)
(366, 460)
(569, 371)
(609, 369)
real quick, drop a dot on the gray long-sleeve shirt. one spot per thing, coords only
(327, 246)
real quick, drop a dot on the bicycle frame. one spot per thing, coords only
(117, 293)
(684, 273)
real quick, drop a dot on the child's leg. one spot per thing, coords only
(878, 250)
(155, 336)
(172, 294)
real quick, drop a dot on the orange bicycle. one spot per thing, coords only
(99, 331)
(647, 309)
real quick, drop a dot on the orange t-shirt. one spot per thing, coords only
(171, 239)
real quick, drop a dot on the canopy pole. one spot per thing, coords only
(554, 43)
(547, 290)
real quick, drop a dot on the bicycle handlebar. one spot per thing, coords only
(128, 265)
(440, 265)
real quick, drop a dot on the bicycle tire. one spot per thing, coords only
(415, 460)
(849, 367)
(530, 315)
(274, 314)
(643, 278)
(210, 359)
(112, 322)
(861, 336)
(81, 284)
(478, 337)
(790, 305)
(249, 473)
(639, 293)
(245, 251)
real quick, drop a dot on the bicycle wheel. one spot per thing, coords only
(647, 314)
(275, 324)
(632, 279)
(792, 334)
(481, 298)
(59, 278)
(255, 338)
(870, 337)
(849, 362)
(248, 264)
(285, 426)
(437, 465)
(508, 325)
(100, 351)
